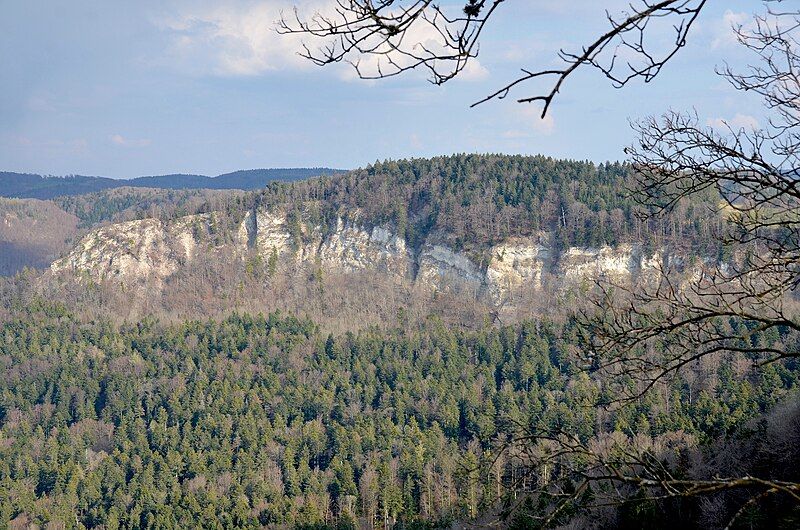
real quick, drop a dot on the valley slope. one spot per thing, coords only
(392, 347)
(461, 236)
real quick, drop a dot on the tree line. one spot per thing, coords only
(472, 201)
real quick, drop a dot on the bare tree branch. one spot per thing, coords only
(391, 37)
(646, 334)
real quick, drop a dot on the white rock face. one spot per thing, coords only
(351, 247)
(579, 264)
(142, 250)
(651, 263)
(149, 251)
(185, 231)
(443, 269)
(515, 265)
(266, 232)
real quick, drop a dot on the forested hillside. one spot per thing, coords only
(471, 201)
(261, 420)
(124, 204)
(467, 202)
(371, 400)
(308, 246)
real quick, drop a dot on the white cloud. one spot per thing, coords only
(419, 40)
(231, 40)
(473, 71)
(235, 39)
(724, 34)
(528, 123)
(532, 114)
(739, 121)
(120, 140)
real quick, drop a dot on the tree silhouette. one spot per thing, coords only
(390, 37)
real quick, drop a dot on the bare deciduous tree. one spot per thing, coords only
(753, 173)
(563, 478)
(644, 334)
(389, 37)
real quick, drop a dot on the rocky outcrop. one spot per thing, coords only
(577, 264)
(443, 269)
(265, 232)
(141, 251)
(514, 265)
(138, 252)
(351, 247)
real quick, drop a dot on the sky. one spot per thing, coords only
(125, 89)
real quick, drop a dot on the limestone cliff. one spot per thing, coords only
(132, 252)
(149, 251)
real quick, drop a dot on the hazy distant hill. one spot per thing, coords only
(33, 233)
(25, 185)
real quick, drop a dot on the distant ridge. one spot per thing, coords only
(31, 186)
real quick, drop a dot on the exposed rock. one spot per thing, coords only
(138, 252)
(443, 269)
(514, 265)
(266, 232)
(350, 247)
(579, 264)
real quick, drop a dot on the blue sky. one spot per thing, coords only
(154, 87)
